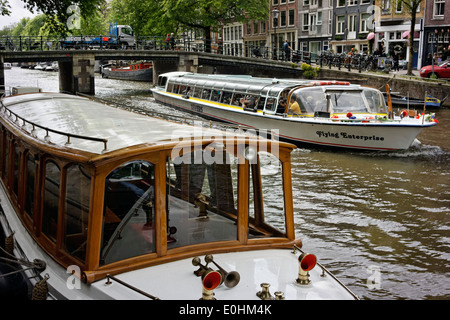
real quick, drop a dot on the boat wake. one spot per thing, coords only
(417, 151)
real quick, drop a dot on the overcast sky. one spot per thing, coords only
(17, 12)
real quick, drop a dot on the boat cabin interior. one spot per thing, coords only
(149, 203)
(273, 96)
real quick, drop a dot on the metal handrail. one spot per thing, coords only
(110, 277)
(47, 130)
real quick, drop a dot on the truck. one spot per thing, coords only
(119, 36)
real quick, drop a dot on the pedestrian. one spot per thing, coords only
(287, 51)
(395, 60)
(172, 41)
(167, 41)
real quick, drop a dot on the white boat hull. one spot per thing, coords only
(382, 135)
(176, 280)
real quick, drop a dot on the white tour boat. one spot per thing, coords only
(103, 203)
(321, 113)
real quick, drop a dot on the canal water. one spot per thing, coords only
(380, 221)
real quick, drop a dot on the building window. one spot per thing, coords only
(313, 21)
(283, 19)
(340, 24)
(386, 7)
(291, 17)
(305, 26)
(330, 21)
(352, 23)
(304, 46)
(439, 8)
(340, 3)
(319, 18)
(364, 26)
(398, 7)
(352, 2)
(363, 48)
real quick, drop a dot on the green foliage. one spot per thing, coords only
(146, 17)
(56, 13)
(4, 8)
(309, 72)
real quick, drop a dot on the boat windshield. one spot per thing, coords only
(359, 100)
(203, 197)
(202, 206)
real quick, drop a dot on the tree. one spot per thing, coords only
(411, 6)
(4, 8)
(209, 15)
(144, 16)
(56, 12)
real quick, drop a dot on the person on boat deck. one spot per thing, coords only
(281, 105)
(294, 108)
(248, 102)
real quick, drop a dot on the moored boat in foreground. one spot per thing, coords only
(103, 203)
(315, 113)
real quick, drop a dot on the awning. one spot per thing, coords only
(405, 34)
(370, 36)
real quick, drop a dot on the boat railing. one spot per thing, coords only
(18, 119)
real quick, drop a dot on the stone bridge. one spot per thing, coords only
(76, 69)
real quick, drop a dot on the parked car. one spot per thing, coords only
(441, 71)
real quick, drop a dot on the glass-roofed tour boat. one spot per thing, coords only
(103, 203)
(320, 113)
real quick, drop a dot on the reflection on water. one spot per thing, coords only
(380, 221)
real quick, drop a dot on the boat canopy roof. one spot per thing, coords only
(237, 83)
(312, 96)
(76, 115)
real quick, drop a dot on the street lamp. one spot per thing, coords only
(275, 13)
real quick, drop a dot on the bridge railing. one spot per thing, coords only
(92, 42)
(28, 43)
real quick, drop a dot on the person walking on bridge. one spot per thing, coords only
(287, 51)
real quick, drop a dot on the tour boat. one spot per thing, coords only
(142, 71)
(329, 113)
(98, 202)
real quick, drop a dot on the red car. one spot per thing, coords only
(441, 71)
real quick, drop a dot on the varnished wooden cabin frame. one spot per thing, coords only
(99, 166)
